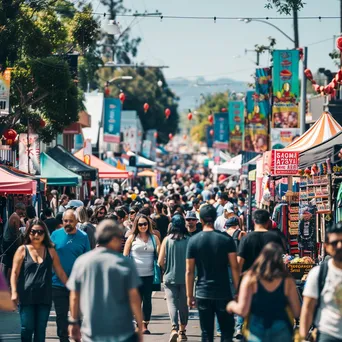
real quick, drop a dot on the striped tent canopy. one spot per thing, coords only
(323, 129)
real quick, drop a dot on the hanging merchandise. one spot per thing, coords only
(338, 210)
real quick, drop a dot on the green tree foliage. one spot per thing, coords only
(285, 6)
(212, 104)
(143, 88)
(35, 41)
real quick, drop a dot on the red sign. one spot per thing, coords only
(285, 163)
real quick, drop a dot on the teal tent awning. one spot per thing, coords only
(56, 174)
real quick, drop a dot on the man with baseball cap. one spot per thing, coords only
(192, 224)
(228, 211)
(211, 252)
(109, 315)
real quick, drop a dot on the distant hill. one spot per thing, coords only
(189, 91)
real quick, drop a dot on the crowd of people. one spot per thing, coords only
(102, 259)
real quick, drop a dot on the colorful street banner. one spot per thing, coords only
(87, 152)
(285, 122)
(221, 130)
(131, 130)
(29, 153)
(146, 148)
(281, 137)
(151, 136)
(210, 137)
(236, 111)
(263, 83)
(5, 86)
(111, 121)
(285, 76)
(285, 163)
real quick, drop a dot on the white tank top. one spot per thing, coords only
(143, 256)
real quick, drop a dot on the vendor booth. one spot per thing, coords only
(12, 184)
(230, 167)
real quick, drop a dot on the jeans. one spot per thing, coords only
(177, 304)
(60, 297)
(322, 337)
(279, 331)
(207, 308)
(34, 319)
(145, 291)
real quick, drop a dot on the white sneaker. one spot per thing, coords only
(173, 336)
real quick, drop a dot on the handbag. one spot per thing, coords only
(156, 268)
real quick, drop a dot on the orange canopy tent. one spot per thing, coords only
(323, 129)
(106, 171)
(13, 184)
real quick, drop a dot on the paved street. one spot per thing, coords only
(160, 325)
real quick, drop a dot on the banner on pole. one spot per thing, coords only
(111, 121)
(210, 137)
(29, 153)
(285, 163)
(221, 131)
(5, 87)
(236, 126)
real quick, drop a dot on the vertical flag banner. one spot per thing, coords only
(29, 153)
(5, 84)
(87, 151)
(221, 130)
(285, 125)
(258, 110)
(210, 138)
(111, 121)
(236, 126)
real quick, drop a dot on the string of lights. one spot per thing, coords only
(216, 18)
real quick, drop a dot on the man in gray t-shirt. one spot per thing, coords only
(104, 288)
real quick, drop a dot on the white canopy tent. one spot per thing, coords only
(230, 167)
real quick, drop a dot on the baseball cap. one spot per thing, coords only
(191, 215)
(208, 213)
(229, 207)
(74, 204)
(232, 222)
(106, 230)
(177, 221)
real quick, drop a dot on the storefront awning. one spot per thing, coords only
(65, 158)
(323, 129)
(320, 153)
(106, 171)
(56, 174)
(12, 184)
(229, 168)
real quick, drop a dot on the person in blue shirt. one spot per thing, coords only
(70, 243)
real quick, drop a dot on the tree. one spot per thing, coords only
(212, 104)
(36, 41)
(143, 88)
(285, 6)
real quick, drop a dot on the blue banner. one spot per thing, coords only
(111, 120)
(210, 136)
(221, 130)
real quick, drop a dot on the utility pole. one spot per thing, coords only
(303, 92)
(296, 28)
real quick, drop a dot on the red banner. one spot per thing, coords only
(285, 163)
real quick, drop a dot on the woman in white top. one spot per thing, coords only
(63, 202)
(142, 246)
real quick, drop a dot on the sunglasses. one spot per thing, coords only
(335, 243)
(144, 224)
(102, 212)
(191, 219)
(40, 232)
(132, 213)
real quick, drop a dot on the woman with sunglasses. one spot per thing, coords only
(31, 280)
(143, 247)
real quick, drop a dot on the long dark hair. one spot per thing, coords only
(38, 222)
(269, 265)
(94, 219)
(178, 232)
(135, 228)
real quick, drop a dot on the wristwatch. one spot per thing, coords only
(74, 321)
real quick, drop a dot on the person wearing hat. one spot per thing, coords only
(172, 258)
(114, 308)
(211, 252)
(192, 224)
(232, 227)
(228, 211)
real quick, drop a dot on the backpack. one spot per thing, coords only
(235, 237)
(322, 275)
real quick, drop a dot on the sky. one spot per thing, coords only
(202, 48)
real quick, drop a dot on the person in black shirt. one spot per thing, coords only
(251, 246)
(50, 221)
(211, 252)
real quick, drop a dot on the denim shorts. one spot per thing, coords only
(279, 331)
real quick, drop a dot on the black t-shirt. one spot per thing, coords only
(252, 244)
(51, 224)
(210, 250)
